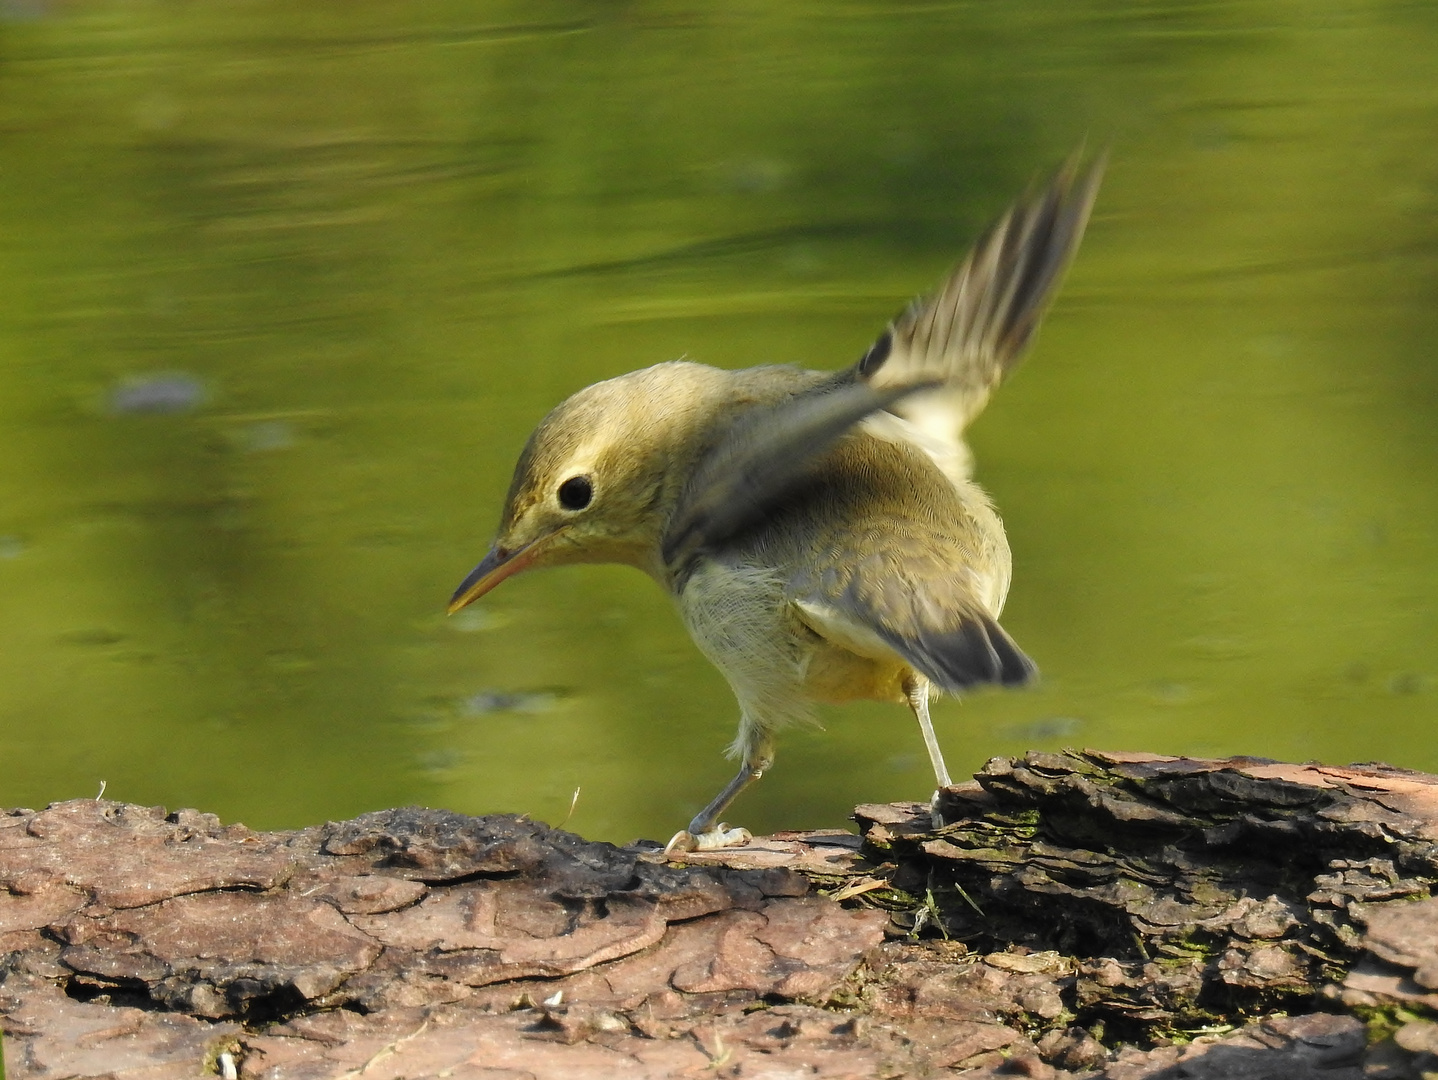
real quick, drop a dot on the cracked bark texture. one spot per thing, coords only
(1123, 916)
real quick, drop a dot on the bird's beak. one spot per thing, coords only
(499, 564)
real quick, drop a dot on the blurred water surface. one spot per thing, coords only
(286, 286)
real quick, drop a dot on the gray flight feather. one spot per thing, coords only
(978, 651)
(761, 458)
(971, 332)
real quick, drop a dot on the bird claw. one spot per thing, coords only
(721, 836)
(936, 818)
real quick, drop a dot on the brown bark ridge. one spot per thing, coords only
(1124, 916)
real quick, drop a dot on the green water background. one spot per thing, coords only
(283, 288)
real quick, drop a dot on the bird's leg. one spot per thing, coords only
(706, 832)
(916, 689)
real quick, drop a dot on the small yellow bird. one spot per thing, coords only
(818, 531)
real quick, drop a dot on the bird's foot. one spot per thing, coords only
(721, 836)
(936, 819)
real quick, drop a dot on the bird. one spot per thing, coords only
(819, 532)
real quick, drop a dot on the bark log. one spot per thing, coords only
(1124, 916)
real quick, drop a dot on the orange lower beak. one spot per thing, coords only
(495, 567)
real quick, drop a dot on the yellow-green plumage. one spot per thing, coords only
(819, 532)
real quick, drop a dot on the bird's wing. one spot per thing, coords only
(971, 333)
(902, 596)
(761, 458)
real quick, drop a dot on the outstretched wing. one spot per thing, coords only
(761, 458)
(971, 333)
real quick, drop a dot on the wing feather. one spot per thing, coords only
(909, 599)
(763, 455)
(974, 329)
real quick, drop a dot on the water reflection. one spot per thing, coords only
(173, 392)
(322, 272)
(493, 701)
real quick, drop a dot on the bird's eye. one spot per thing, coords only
(575, 493)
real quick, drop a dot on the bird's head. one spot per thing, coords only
(599, 475)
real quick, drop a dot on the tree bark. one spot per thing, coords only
(1116, 915)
